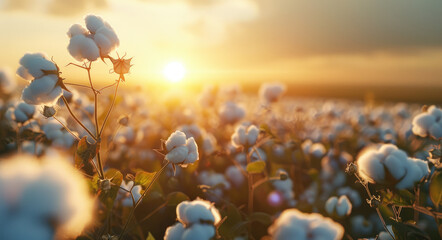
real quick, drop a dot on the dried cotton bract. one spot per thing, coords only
(181, 150)
(41, 198)
(389, 165)
(428, 123)
(293, 224)
(98, 40)
(44, 87)
(197, 220)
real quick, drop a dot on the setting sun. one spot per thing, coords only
(174, 71)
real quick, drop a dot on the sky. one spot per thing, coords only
(301, 41)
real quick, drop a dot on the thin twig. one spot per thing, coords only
(76, 119)
(110, 109)
(67, 129)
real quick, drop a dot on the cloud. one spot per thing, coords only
(54, 7)
(295, 28)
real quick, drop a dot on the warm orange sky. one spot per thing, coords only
(339, 41)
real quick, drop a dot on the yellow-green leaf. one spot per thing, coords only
(256, 167)
(436, 188)
(143, 178)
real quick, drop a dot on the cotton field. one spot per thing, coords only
(101, 161)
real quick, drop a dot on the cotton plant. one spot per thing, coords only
(197, 220)
(57, 134)
(21, 113)
(180, 149)
(230, 112)
(216, 181)
(285, 187)
(47, 197)
(294, 224)
(245, 136)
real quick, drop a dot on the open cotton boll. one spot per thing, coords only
(428, 123)
(245, 135)
(44, 193)
(230, 113)
(199, 232)
(76, 29)
(24, 228)
(106, 39)
(23, 112)
(338, 206)
(271, 92)
(81, 47)
(197, 211)
(93, 23)
(174, 232)
(33, 64)
(293, 224)
(181, 150)
(234, 175)
(42, 91)
(7, 82)
(375, 166)
(176, 139)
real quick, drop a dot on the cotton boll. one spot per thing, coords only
(81, 47)
(230, 113)
(293, 224)
(245, 136)
(177, 155)
(428, 123)
(174, 232)
(136, 192)
(271, 92)
(23, 112)
(199, 232)
(46, 191)
(176, 139)
(353, 195)
(257, 154)
(235, 176)
(76, 29)
(106, 40)
(361, 226)
(197, 211)
(33, 64)
(330, 205)
(7, 82)
(193, 154)
(42, 91)
(317, 150)
(209, 144)
(374, 165)
(93, 23)
(24, 228)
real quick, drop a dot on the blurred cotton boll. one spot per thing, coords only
(197, 220)
(428, 123)
(271, 92)
(22, 112)
(42, 198)
(375, 166)
(98, 40)
(181, 150)
(44, 87)
(339, 207)
(293, 224)
(231, 113)
(7, 82)
(245, 136)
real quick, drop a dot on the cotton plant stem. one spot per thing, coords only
(110, 109)
(377, 208)
(131, 214)
(67, 129)
(76, 119)
(416, 203)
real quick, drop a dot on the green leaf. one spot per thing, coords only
(175, 198)
(398, 198)
(261, 217)
(85, 152)
(256, 167)
(406, 231)
(150, 237)
(436, 188)
(143, 178)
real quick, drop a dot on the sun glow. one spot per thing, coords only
(174, 71)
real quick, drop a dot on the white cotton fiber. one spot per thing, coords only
(81, 48)
(174, 232)
(7, 82)
(93, 23)
(33, 64)
(42, 91)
